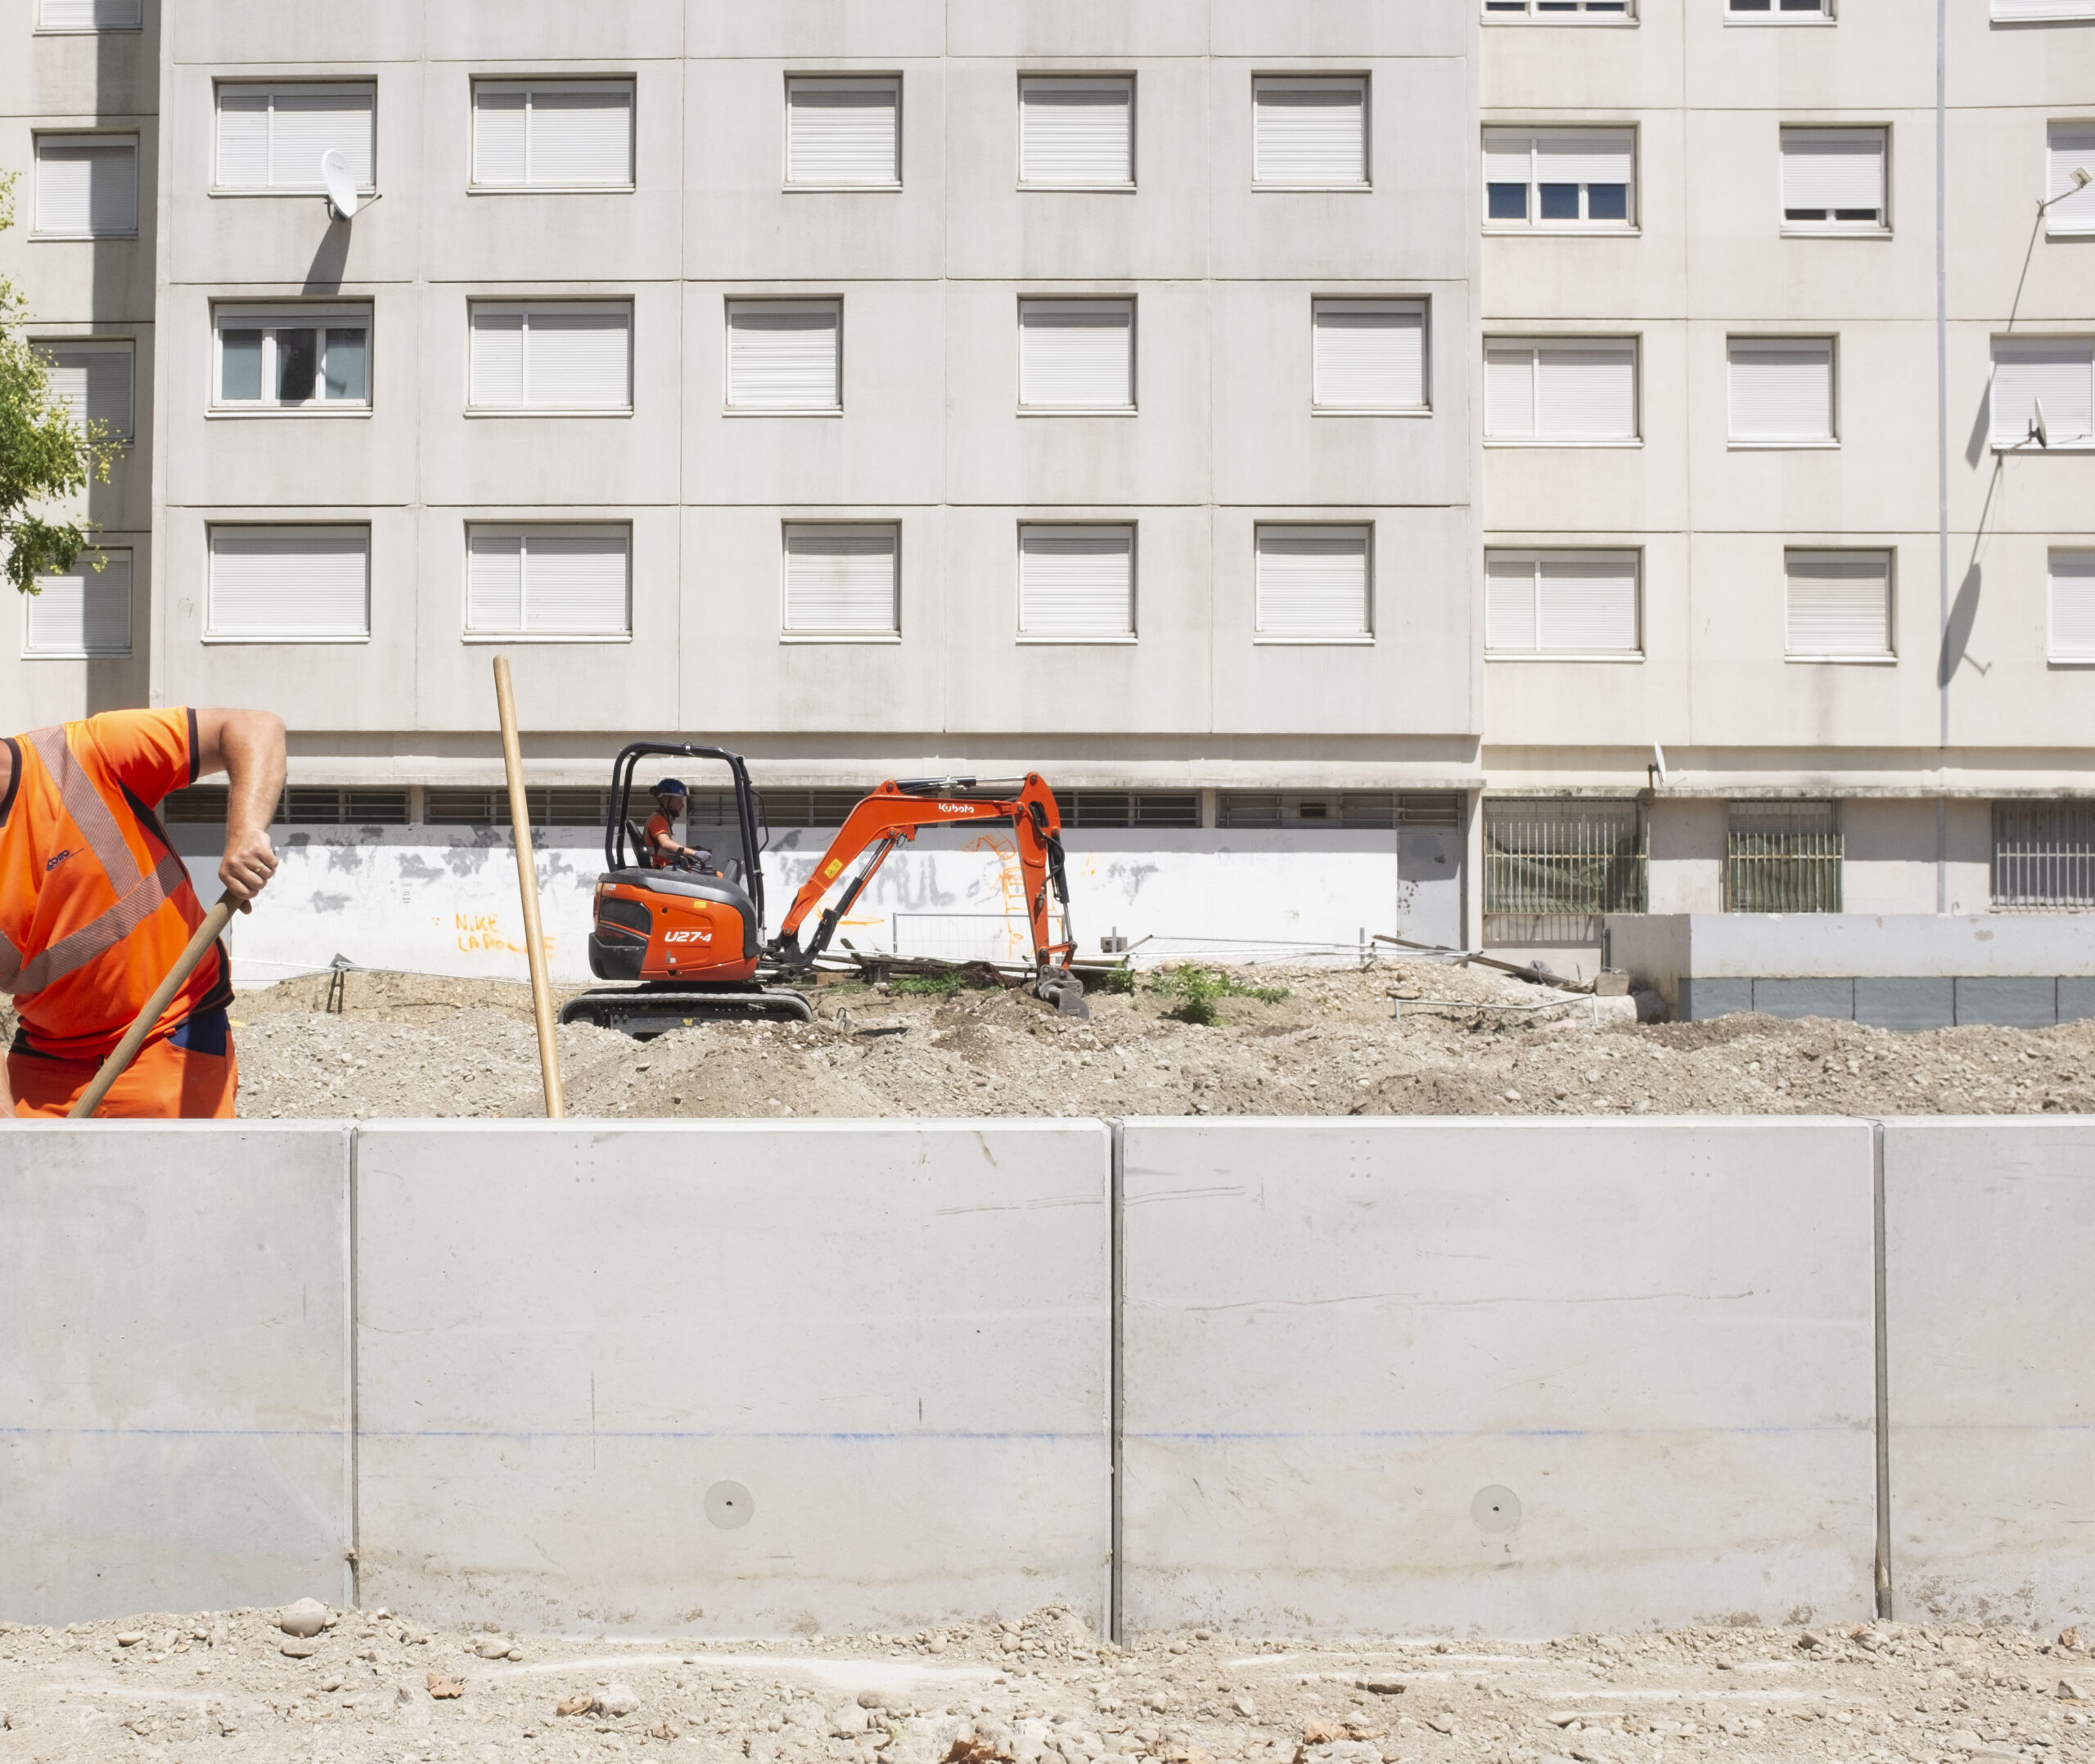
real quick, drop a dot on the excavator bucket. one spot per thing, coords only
(1064, 991)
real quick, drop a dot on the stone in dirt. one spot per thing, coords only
(618, 1700)
(443, 1689)
(584, 1703)
(304, 1619)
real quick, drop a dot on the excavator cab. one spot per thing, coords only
(692, 938)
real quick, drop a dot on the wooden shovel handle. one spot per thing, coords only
(185, 965)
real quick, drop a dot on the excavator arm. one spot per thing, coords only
(892, 815)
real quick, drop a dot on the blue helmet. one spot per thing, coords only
(672, 787)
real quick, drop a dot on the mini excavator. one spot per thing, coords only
(691, 937)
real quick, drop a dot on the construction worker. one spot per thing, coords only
(95, 906)
(659, 834)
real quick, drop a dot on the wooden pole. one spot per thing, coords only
(527, 882)
(112, 1069)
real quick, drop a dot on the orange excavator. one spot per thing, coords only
(692, 936)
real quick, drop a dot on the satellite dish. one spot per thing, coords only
(341, 187)
(1659, 761)
(2037, 432)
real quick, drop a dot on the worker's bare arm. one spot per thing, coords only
(248, 746)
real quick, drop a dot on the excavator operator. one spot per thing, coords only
(659, 840)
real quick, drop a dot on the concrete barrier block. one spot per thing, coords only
(1989, 1314)
(2076, 997)
(1812, 998)
(174, 1370)
(735, 1377)
(1512, 1377)
(2012, 1002)
(1700, 999)
(1907, 1004)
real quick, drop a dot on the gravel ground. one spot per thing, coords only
(371, 1685)
(412, 1046)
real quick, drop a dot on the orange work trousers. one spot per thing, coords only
(191, 1074)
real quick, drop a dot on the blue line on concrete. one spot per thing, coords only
(604, 1434)
(1217, 1437)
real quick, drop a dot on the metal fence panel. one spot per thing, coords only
(2044, 854)
(1552, 870)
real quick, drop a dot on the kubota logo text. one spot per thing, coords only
(957, 808)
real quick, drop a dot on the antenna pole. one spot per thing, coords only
(527, 882)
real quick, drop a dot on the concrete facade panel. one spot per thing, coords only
(1906, 1005)
(700, 1414)
(1049, 29)
(1375, 1381)
(80, 73)
(826, 29)
(1834, 998)
(1988, 1313)
(2018, 1002)
(174, 1384)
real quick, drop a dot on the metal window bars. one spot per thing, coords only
(2044, 855)
(1358, 811)
(1783, 857)
(1553, 870)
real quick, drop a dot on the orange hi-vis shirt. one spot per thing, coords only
(95, 906)
(654, 857)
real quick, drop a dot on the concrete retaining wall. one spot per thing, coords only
(1520, 1376)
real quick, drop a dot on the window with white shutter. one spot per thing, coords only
(85, 613)
(294, 357)
(1562, 11)
(90, 15)
(1839, 605)
(1833, 179)
(1779, 11)
(1561, 178)
(290, 584)
(842, 581)
(569, 134)
(2069, 178)
(1076, 355)
(1781, 391)
(2073, 606)
(544, 581)
(844, 134)
(93, 381)
(784, 355)
(1368, 355)
(561, 356)
(1562, 604)
(1076, 582)
(1076, 133)
(273, 137)
(87, 186)
(1315, 583)
(1310, 133)
(1560, 390)
(2011, 12)
(2051, 378)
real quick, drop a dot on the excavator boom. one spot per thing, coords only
(893, 814)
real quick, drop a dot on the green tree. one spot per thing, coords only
(46, 455)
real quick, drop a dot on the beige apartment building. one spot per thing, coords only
(1463, 469)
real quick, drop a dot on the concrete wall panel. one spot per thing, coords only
(1990, 1311)
(1354, 1352)
(576, 1343)
(174, 1376)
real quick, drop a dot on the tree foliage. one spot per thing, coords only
(45, 455)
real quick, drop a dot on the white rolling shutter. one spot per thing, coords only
(495, 580)
(243, 138)
(87, 186)
(272, 138)
(2056, 373)
(1560, 389)
(1370, 355)
(2070, 147)
(497, 366)
(1829, 168)
(91, 15)
(1313, 582)
(290, 582)
(581, 134)
(1310, 133)
(2073, 606)
(1076, 354)
(1561, 603)
(783, 355)
(1076, 581)
(577, 359)
(1510, 619)
(1586, 390)
(1509, 156)
(500, 129)
(1839, 603)
(2043, 9)
(840, 581)
(1076, 134)
(1509, 390)
(1585, 155)
(93, 382)
(84, 613)
(571, 580)
(1781, 389)
(843, 133)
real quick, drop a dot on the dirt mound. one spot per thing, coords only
(1322, 1043)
